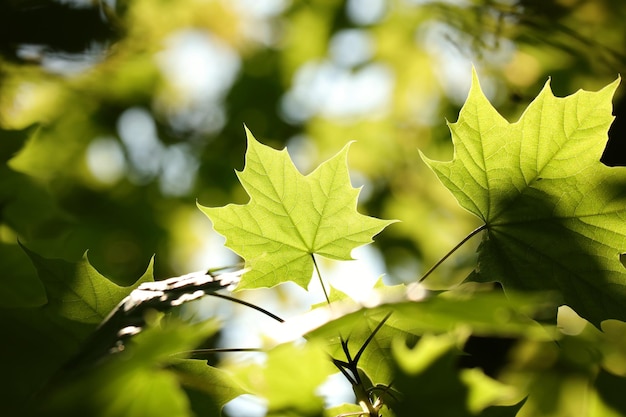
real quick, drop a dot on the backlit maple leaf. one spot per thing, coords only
(291, 216)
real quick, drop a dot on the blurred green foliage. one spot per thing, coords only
(127, 138)
(106, 149)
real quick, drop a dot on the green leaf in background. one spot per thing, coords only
(482, 314)
(208, 388)
(555, 216)
(146, 379)
(610, 389)
(36, 344)
(431, 384)
(77, 291)
(24, 208)
(44, 338)
(290, 378)
(426, 377)
(21, 287)
(585, 374)
(343, 409)
(291, 216)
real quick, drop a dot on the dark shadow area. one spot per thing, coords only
(533, 246)
(491, 354)
(615, 152)
(29, 29)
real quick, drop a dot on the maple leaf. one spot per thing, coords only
(77, 291)
(555, 216)
(291, 216)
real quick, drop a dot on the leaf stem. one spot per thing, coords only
(199, 353)
(454, 249)
(319, 275)
(247, 304)
(369, 339)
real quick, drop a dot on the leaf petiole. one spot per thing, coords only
(247, 304)
(319, 275)
(454, 249)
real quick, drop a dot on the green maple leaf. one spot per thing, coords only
(77, 291)
(445, 390)
(291, 216)
(145, 379)
(484, 314)
(555, 217)
(77, 297)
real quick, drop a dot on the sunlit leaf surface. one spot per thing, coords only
(555, 216)
(291, 216)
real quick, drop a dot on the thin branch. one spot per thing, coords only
(454, 249)
(342, 366)
(215, 271)
(205, 353)
(224, 350)
(346, 351)
(247, 304)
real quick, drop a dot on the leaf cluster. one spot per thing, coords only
(547, 280)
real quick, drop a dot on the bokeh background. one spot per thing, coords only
(117, 116)
(135, 109)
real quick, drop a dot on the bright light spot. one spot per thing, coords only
(179, 169)
(200, 69)
(336, 390)
(137, 130)
(105, 160)
(294, 328)
(246, 405)
(366, 12)
(199, 65)
(349, 48)
(331, 91)
(454, 54)
(261, 20)
(209, 118)
(211, 253)
(303, 153)
(63, 63)
(261, 9)
(415, 291)
(357, 278)
(174, 165)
